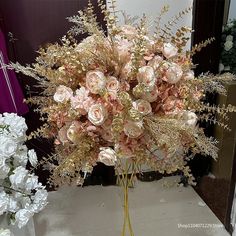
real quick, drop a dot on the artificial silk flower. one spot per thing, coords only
(107, 156)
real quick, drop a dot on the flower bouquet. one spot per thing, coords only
(21, 195)
(228, 48)
(124, 98)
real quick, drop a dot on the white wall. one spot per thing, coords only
(232, 10)
(152, 8)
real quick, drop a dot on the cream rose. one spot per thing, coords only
(107, 156)
(146, 76)
(152, 95)
(97, 114)
(174, 73)
(189, 75)
(63, 94)
(133, 129)
(71, 133)
(142, 106)
(155, 62)
(112, 83)
(189, 118)
(169, 50)
(95, 81)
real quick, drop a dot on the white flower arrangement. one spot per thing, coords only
(21, 195)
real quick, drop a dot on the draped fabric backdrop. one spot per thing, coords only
(11, 96)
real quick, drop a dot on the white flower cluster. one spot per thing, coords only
(21, 195)
(228, 42)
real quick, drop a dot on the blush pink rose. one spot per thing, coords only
(95, 81)
(112, 83)
(123, 47)
(63, 94)
(173, 73)
(142, 106)
(82, 101)
(169, 50)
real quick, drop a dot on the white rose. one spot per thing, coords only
(174, 73)
(107, 156)
(8, 147)
(228, 45)
(4, 168)
(112, 83)
(5, 232)
(63, 94)
(17, 125)
(4, 199)
(146, 76)
(133, 129)
(152, 95)
(229, 38)
(22, 217)
(12, 205)
(31, 183)
(95, 81)
(189, 118)
(169, 50)
(19, 177)
(33, 157)
(21, 156)
(142, 106)
(40, 200)
(97, 114)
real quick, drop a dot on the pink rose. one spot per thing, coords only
(146, 76)
(173, 73)
(169, 50)
(133, 129)
(95, 81)
(142, 106)
(63, 94)
(107, 156)
(97, 114)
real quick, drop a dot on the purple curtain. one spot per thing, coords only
(11, 95)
